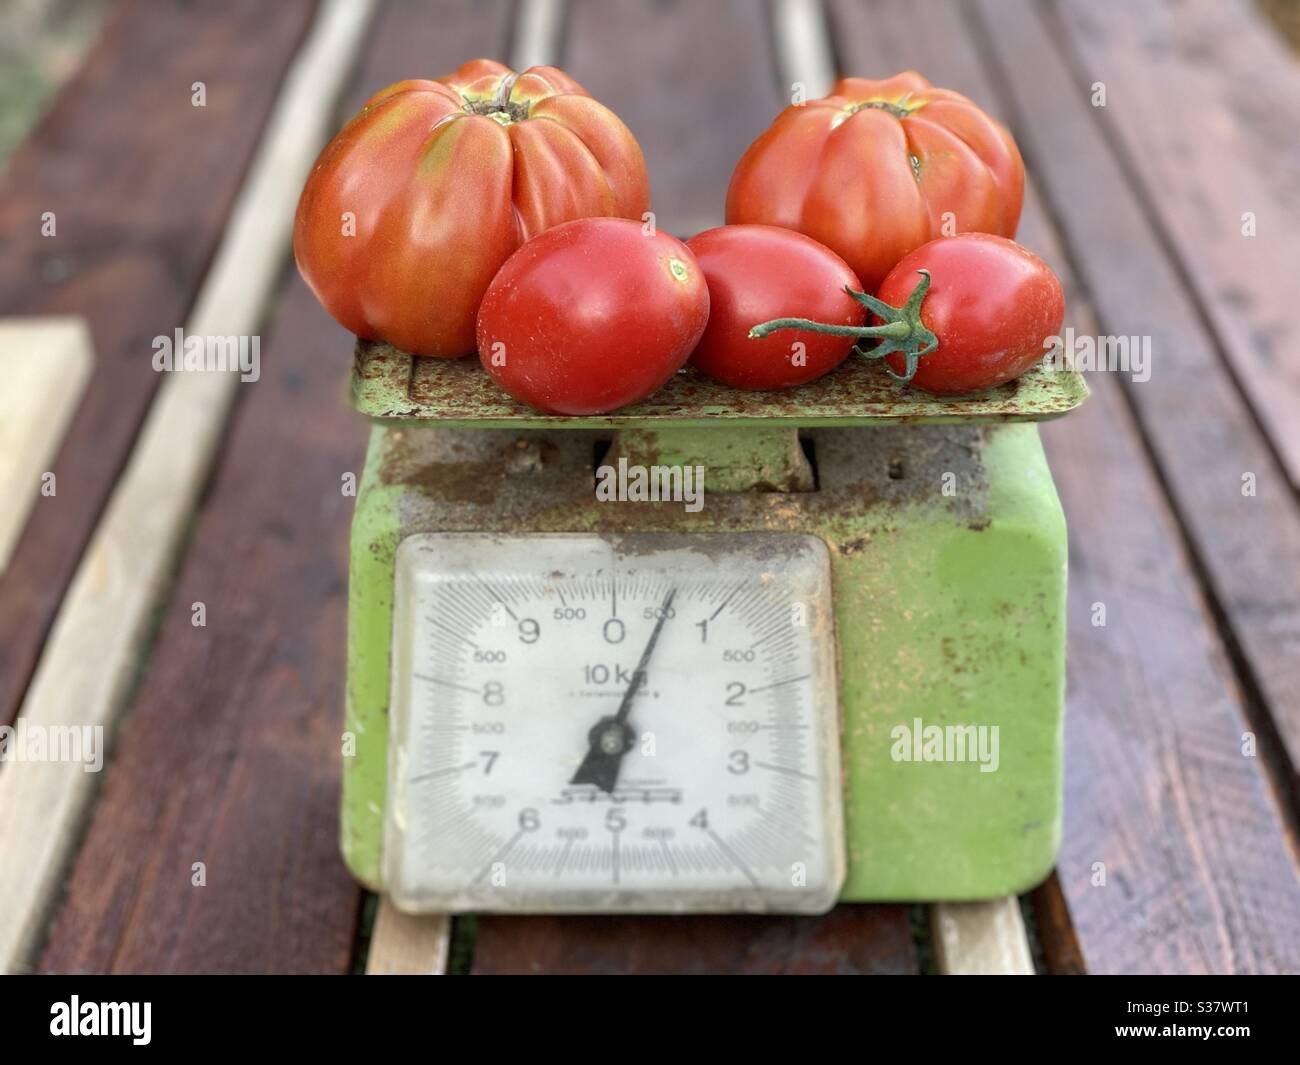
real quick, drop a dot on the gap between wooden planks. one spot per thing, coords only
(122, 575)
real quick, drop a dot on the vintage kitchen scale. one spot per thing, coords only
(567, 704)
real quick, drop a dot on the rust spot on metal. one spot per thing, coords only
(390, 384)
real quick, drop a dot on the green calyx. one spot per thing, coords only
(901, 329)
(499, 108)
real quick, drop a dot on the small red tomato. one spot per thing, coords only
(755, 274)
(991, 303)
(592, 315)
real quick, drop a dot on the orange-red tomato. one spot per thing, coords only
(413, 207)
(878, 168)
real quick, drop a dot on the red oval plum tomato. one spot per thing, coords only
(757, 273)
(992, 305)
(592, 315)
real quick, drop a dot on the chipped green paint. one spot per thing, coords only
(375, 536)
(965, 627)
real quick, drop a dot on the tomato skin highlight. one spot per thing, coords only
(592, 315)
(755, 274)
(414, 205)
(992, 304)
(878, 168)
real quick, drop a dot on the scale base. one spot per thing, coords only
(948, 558)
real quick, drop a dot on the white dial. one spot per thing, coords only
(643, 723)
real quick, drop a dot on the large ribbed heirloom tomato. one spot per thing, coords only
(878, 168)
(413, 207)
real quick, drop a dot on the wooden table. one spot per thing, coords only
(208, 843)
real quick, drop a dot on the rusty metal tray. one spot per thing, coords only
(388, 384)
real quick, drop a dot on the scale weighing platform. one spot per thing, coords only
(840, 678)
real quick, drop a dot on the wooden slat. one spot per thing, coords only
(981, 938)
(670, 71)
(1201, 154)
(402, 945)
(695, 83)
(538, 27)
(851, 939)
(45, 363)
(136, 223)
(804, 54)
(1196, 423)
(1253, 65)
(1199, 873)
(231, 753)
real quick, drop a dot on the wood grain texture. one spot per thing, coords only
(695, 83)
(670, 70)
(137, 218)
(91, 658)
(1202, 151)
(981, 938)
(46, 363)
(1197, 425)
(403, 945)
(850, 939)
(1056, 935)
(230, 754)
(1199, 871)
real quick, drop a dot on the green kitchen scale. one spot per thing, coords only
(578, 683)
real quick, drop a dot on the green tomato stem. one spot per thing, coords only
(902, 329)
(806, 325)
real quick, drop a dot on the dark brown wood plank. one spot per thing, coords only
(1199, 873)
(230, 754)
(696, 83)
(1199, 428)
(849, 940)
(1061, 951)
(1201, 153)
(138, 206)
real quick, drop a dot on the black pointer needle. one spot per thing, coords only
(610, 737)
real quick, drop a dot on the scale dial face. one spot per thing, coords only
(591, 723)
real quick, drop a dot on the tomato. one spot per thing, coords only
(756, 273)
(591, 316)
(877, 168)
(991, 303)
(414, 206)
